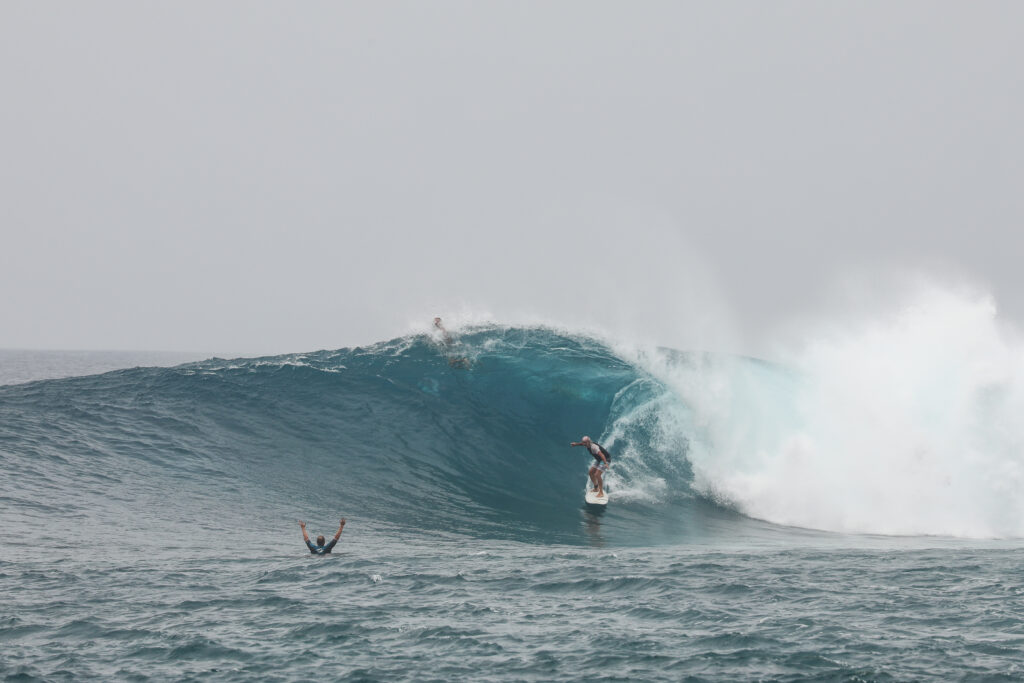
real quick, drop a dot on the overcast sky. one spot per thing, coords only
(261, 177)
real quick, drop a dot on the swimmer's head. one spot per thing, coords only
(320, 540)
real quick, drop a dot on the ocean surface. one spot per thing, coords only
(149, 519)
(26, 365)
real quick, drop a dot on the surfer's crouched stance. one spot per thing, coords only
(603, 461)
(321, 548)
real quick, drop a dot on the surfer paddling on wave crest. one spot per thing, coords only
(603, 460)
(321, 548)
(449, 345)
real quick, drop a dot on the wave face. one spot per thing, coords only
(400, 433)
(473, 439)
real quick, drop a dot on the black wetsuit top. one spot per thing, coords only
(597, 457)
(321, 549)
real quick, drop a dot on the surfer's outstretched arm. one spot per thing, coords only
(342, 526)
(306, 535)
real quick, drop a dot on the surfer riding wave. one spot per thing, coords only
(602, 461)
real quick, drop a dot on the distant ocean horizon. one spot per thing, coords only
(29, 365)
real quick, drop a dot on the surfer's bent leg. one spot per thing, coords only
(599, 470)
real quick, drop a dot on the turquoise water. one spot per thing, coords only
(148, 526)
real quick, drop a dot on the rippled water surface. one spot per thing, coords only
(382, 609)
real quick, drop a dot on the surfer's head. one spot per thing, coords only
(320, 540)
(585, 441)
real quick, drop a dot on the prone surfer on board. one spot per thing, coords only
(449, 344)
(603, 460)
(321, 548)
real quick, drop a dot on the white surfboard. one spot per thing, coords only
(592, 498)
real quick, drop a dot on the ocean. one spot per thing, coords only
(149, 518)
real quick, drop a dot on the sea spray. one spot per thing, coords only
(906, 424)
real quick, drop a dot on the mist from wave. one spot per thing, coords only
(905, 423)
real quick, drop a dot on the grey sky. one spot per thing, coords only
(271, 177)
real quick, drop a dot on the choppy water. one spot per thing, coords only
(148, 531)
(385, 609)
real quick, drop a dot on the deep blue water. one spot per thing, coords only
(148, 527)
